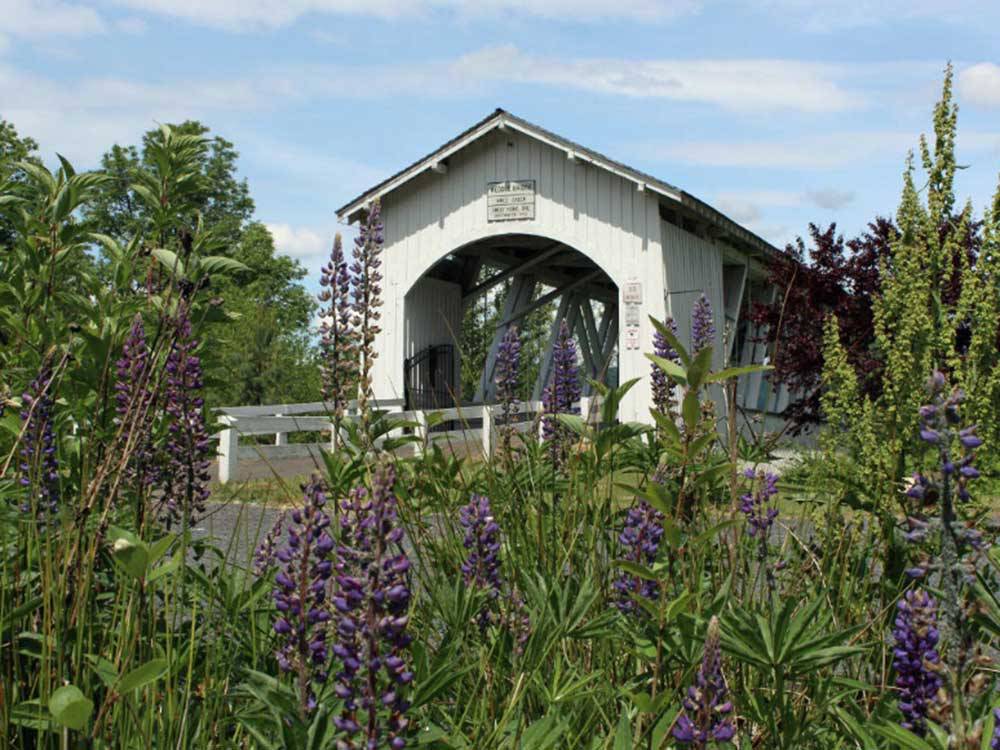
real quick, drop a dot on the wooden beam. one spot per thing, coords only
(587, 313)
(553, 278)
(564, 312)
(546, 298)
(439, 167)
(501, 277)
(521, 292)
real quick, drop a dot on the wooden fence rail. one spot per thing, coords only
(281, 419)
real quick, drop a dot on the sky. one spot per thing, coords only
(777, 112)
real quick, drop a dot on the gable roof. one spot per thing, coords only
(500, 118)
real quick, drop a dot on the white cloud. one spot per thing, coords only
(837, 15)
(132, 25)
(831, 199)
(248, 15)
(828, 151)
(302, 243)
(39, 18)
(980, 84)
(752, 84)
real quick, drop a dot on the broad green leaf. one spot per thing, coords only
(170, 261)
(699, 368)
(132, 556)
(70, 707)
(691, 410)
(901, 737)
(673, 370)
(139, 677)
(736, 372)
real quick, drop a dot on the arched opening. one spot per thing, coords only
(456, 314)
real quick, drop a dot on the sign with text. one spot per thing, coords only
(510, 200)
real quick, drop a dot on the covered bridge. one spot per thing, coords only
(560, 223)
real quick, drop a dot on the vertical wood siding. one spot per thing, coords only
(599, 214)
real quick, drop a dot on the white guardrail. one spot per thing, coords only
(280, 420)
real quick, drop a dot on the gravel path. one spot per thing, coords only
(237, 528)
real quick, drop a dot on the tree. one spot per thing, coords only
(264, 352)
(840, 278)
(13, 149)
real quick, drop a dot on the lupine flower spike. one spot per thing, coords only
(366, 291)
(481, 568)
(372, 599)
(757, 505)
(266, 553)
(508, 380)
(640, 541)
(134, 402)
(995, 740)
(663, 399)
(702, 325)
(338, 340)
(562, 392)
(916, 658)
(300, 594)
(39, 464)
(705, 717)
(188, 448)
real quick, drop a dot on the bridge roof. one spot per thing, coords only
(502, 119)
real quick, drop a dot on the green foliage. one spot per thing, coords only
(920, 324)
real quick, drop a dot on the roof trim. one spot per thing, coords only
(500, 118)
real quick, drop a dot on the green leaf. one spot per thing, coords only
(220, 264)
(901, 737)
(672, 339)
(736, 372)
(132, 556)
(139, 677)
(170, 261)
(699, 368)
(70, 707)
(691, 410)
(637, 570)
(623, 735)
(673, 370)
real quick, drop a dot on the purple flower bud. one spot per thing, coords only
(702, 325)
(916, 639)
(661, 385)
(559, 397)
(38, 466)
(640, 541)
(481, 568)
(508, 381)
(705, 718)
(300, 592)
(371, 581)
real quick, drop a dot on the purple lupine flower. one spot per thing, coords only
(481, 568)
(560, 395)
(365, 280)
(39, 464)
(338, 341)
(508, 381)
(134, 405)
(188, 446)
(300, 594)
(756, 504)
(702, 325)
(705, 716)
(995, 740)
(372, 599)
(266, 553)
(915, 658)
(663, 389)
(640, 541)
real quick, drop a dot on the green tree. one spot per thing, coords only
(263, 352)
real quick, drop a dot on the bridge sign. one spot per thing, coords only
(510, 200)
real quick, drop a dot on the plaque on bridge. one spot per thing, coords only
(510, 200)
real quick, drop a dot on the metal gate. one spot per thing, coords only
(429, 378)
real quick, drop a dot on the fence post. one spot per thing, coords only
(229, 450)
(280, 438)
(421, 420)
(487, 431)
(585, 409)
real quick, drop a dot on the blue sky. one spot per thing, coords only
(778, 112)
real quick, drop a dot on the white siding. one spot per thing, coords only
(583, 206)
(692, 267)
